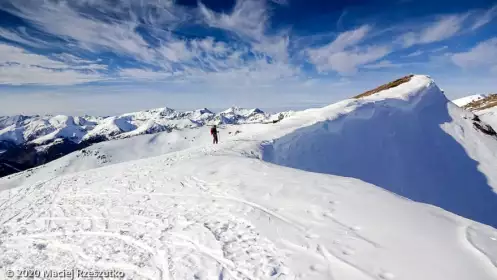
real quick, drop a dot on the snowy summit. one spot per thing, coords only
(397, 184)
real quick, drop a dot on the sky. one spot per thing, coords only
(104, 57)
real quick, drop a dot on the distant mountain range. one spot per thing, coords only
(28, 141)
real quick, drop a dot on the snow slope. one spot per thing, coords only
(231, 217)
(117, 151)
(202, 211)
(482, 105)
(409, 140)
(489, 116)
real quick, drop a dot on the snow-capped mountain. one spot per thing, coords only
(45, 138)
(483, 105)
(41, 130)
(174, 206)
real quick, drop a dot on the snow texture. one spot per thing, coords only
(488, 115)
(463, 101)
(174, 206)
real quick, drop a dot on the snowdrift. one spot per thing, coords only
(192, 216)
(409, 140)
(174, 206)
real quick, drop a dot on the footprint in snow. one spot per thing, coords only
(312, 236)
(317, 267)
(386, 276)
(328, 214)
(348, 252)
(356, 228)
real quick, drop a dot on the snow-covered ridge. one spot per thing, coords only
(410, 140)
(463, 101)
(174, 206)
(40, 130)
(483, 105)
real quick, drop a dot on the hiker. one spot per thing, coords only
(214, 134)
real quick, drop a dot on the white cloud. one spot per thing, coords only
(348, 39)
(382, 64)
(485, 18)
(280, 2)
(416, 53)
(343, 56)
(14, 55)
(143, 74)
(256, 53)
(248, 19)
(61, 20)
(21, 37)
(447, 26)
(442, 48)
(18, 67)
(172, 55)
(483, 55)
(443, 28)
(347, 62)
(27, 74)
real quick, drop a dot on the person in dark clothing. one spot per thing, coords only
(214, 134)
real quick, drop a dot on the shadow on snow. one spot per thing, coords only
(407, 153)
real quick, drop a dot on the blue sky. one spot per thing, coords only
(114, 56)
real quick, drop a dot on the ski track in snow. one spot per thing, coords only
(194, 229)
(78, 218)
(219, 212)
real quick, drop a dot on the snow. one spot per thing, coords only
(41, 130)
(61, 121)
(233, 218)
(488, 115)
(71, 132)
(461, 102)
(174, 206)
(107, 153)
(10, 120)
(424, 148)
(12, 133)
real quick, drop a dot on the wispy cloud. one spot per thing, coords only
(445, 27)
(166, 54)
(482, 56)
(416, 53)
(343, 54)
(248, 19)
(81, 41)
(485, 18)
(18, 67)
(383, 64)
(439, 49)
(20, 36)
